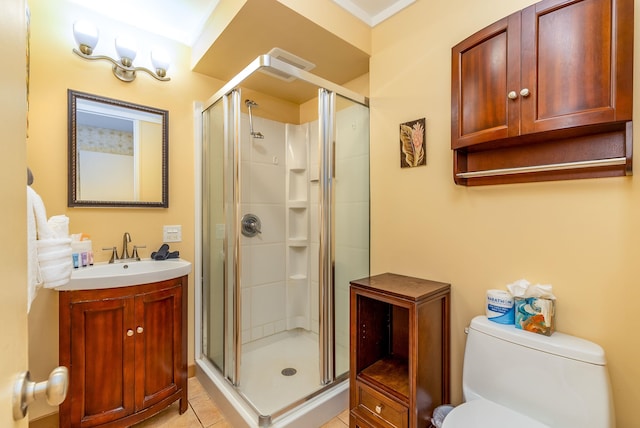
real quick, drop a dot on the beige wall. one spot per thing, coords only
(13, 264)
(580, 236)
(54, 70)
(577, 235)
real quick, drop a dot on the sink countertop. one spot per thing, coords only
(112, 275)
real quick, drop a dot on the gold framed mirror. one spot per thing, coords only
(118, 153)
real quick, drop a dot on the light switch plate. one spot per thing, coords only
(172, 233)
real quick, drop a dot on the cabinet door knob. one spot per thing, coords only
(512, 95)
(129, 332)
(525, 92)
(139, 329)
(379, 408)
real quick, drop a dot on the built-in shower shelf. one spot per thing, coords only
(297, 227)
(298, 205)
(297, 242)
(297, 185)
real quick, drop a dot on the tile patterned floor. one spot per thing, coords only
(204, 413)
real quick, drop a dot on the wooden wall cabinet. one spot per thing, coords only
(551, 84)
(399, 366)
(126, 350)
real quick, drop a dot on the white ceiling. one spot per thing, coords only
(180, 20)
(183, 20)
(249, 35)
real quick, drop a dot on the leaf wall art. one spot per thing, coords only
(413, 144)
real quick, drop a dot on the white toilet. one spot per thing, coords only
(515, 378)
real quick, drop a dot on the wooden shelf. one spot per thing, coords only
(399, 364)
(389, 374)
(547, 157)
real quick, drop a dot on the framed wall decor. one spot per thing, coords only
(413, 143)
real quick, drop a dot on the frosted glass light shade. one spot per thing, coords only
(86, 35)
(160, 59)
(127, 50)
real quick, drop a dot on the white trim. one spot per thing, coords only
(197, 264)
(369, 17)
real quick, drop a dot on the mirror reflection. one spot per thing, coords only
(117, 153)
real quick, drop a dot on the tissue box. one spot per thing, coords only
(535, 314)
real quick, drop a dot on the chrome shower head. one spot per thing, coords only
(250, 104)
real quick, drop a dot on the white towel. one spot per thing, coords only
(49, 264)
(59, 226)
(54, 260)
(33, 269)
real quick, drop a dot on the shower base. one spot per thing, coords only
(261, 379)
(269, 390)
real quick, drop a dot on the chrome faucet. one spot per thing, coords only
(126, 238)
(125, 258)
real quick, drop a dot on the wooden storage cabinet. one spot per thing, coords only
(399, 366)
(126, 350)
(550, 84)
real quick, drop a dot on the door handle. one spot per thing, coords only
(26, 392)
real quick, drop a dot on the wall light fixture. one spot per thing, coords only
(86, 36)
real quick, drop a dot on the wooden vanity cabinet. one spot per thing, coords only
(399, 366)
(126, 350)
(550, 84)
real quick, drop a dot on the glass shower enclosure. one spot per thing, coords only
(284, 227)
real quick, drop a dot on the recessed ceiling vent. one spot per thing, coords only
(289, 58)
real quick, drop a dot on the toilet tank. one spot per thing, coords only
(560, 380)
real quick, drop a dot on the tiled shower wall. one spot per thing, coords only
(264, 277)
(263, 256)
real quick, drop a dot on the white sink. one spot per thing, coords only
(111, 275)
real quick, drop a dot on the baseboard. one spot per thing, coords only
(49, 421)
(52, 420)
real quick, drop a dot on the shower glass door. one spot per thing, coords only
(351, 215)
(218, 228)
(275, 309)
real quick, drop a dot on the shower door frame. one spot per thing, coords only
(230, 95)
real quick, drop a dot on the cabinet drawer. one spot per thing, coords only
(382, 409)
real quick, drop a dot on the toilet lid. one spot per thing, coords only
(482, 413)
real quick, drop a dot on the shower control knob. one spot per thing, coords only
(251, 225)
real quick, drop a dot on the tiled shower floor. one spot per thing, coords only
(262, 366)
